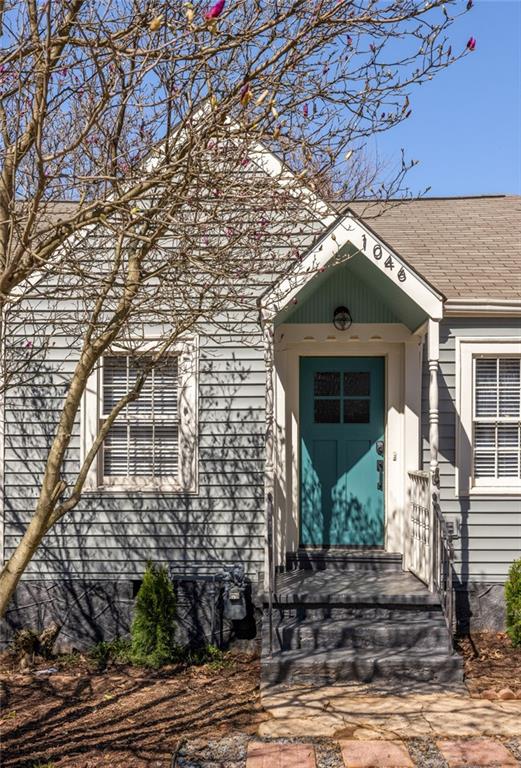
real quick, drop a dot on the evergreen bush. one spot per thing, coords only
(513, 601)
(153, 626)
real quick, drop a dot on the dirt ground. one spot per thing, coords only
(79, 717)
(491, 663)
(129, 717)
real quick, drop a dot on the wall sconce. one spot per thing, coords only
(342, 319)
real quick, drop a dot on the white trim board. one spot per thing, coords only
(466, 349)
(402, 352)
(483, 308)
(187, 350)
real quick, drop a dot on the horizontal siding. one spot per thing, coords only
(114, 534)
(488, 528)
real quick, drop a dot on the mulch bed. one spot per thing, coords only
(492, 664)
(125, 716)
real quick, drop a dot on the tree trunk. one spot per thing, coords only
(17, 563)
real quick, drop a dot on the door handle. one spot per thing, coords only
(380, 470)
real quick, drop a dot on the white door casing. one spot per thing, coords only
(402, 352)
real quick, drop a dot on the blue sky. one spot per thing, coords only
(465, 128)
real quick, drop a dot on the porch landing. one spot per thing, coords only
(354, 587)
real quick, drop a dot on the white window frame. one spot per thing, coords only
(186, 350)
(466, 351)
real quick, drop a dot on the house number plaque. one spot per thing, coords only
(378, 254)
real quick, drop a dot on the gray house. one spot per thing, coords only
(358, 452)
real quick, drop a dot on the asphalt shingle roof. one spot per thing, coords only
(466, 247)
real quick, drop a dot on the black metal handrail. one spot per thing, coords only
(271, 573)
(443, 566)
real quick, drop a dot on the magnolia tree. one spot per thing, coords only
(134, 187)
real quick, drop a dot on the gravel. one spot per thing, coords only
(425, 753)
(228, 752)
(514, 745)
(328, 754)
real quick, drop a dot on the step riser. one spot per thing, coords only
(350, 612)
(446, 672)
(293, 638)
(342, 565)
(331, 562)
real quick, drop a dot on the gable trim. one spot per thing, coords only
(350, 229)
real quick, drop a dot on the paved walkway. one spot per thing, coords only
(371, 730)
(354, 712)
(478, 752)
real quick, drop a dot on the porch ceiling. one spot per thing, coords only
(357, 284)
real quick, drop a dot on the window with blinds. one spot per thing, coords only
(143, 443)
(497, 420)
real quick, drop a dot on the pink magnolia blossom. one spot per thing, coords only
(471, 43)
(216, 10)
(245, 95)
(305, 110)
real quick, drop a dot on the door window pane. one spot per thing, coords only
(327, 411)
(357, 411)
(327, 384)
(356, 384)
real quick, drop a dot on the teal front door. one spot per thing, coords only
(341, 451)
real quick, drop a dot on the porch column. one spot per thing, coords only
(433, 354)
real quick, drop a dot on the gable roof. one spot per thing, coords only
(466, 247)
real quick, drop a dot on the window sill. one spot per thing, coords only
(495, 490)
(108, 490)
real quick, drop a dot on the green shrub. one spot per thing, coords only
(117, 650)
(153, 627)
(210, 654)
(513, 601)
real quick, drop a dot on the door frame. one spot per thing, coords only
(384, 393)
(402, 351)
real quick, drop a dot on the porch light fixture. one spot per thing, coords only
(342, 319)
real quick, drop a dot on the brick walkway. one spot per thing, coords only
(360, 753)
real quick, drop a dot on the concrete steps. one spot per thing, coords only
(356, 624)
